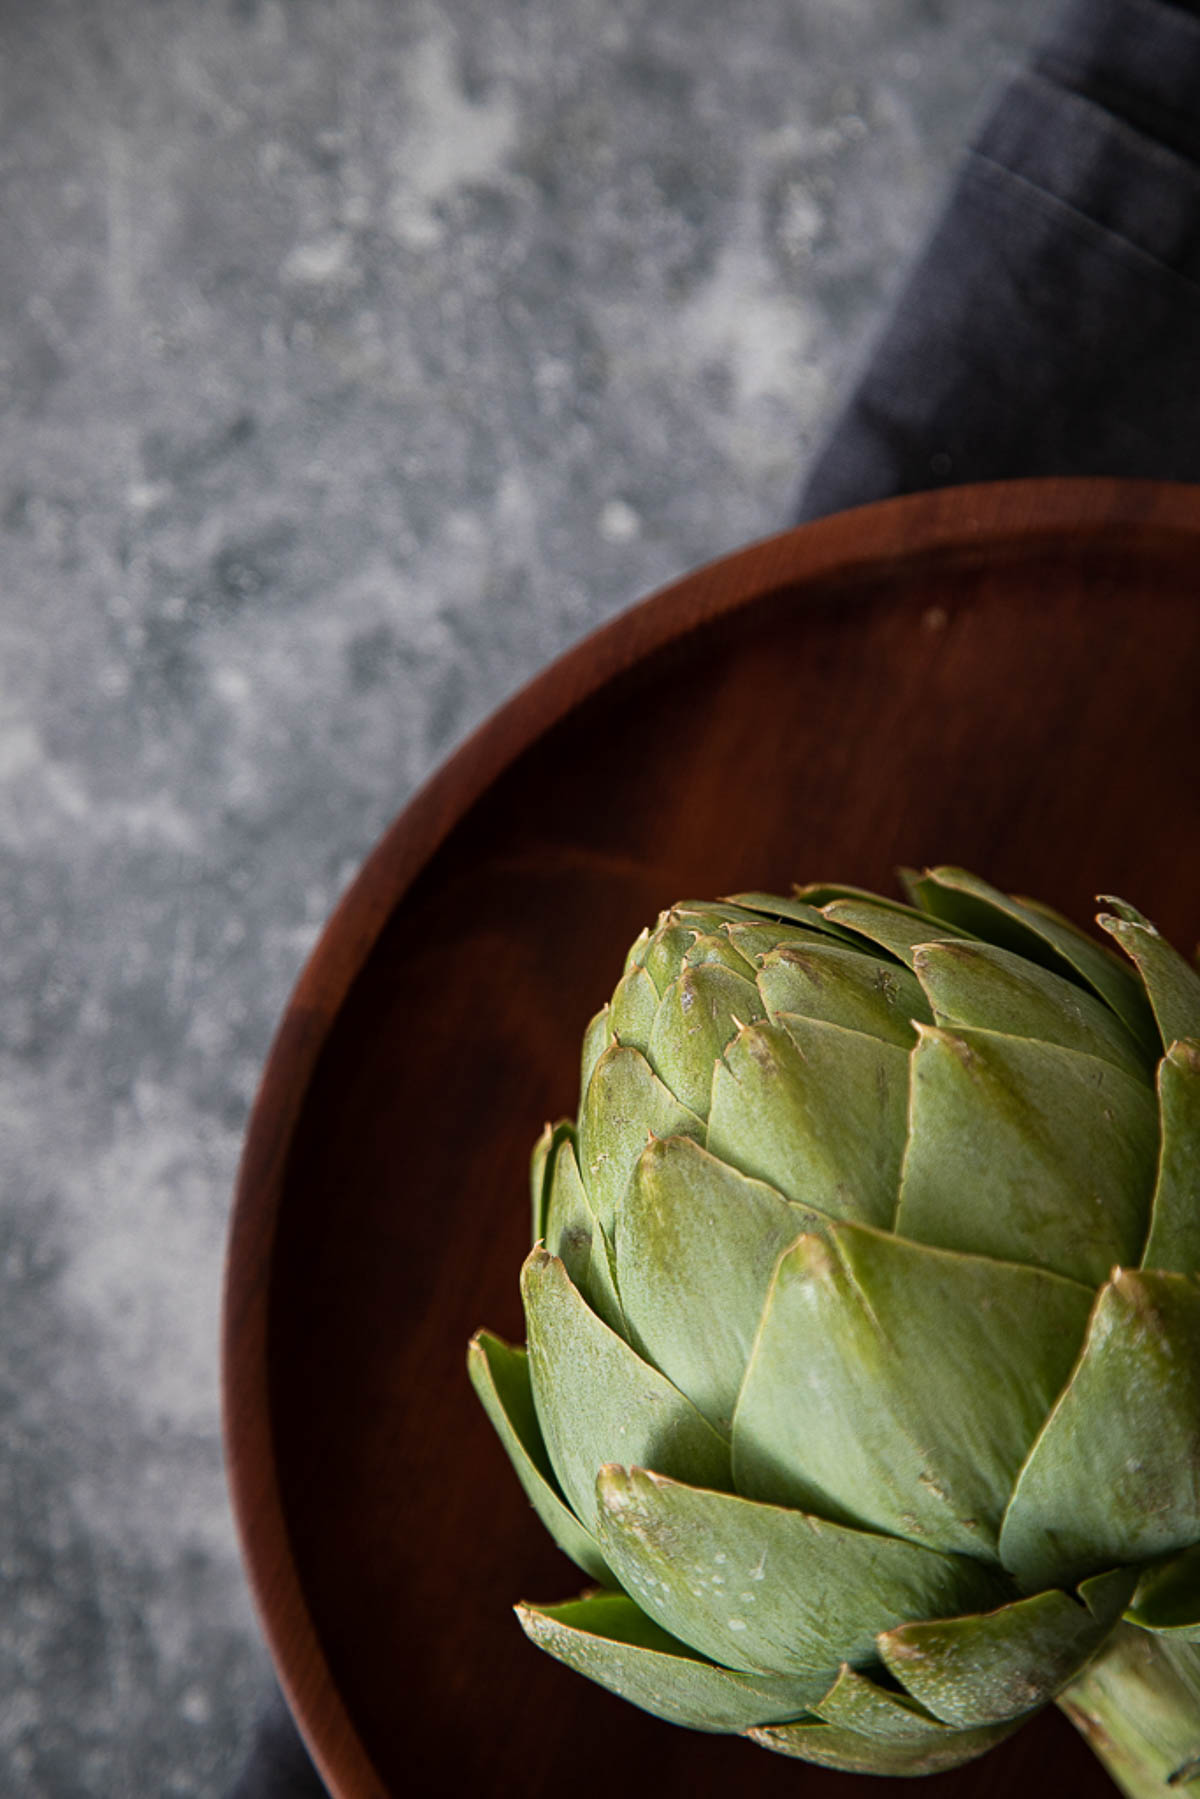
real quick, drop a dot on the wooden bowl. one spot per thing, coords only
(1006, 677)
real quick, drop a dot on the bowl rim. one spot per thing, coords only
(948, 522)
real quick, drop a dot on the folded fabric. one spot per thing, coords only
(1051, 326)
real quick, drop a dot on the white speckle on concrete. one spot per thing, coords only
(149, 1194)
(741, 320)
(802, 217)
(143, 495)
(231, 684)
(324, 259)
(20, 749)
(196, 1706)
(450, 139)
(619, 523)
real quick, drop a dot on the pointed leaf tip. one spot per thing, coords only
(1087, 1498)
(762, 1586)
(1124, 911)
(599, 1402)
(1173, 987)
(499, 1373)
(992, 1666)
(867, 1729)
(606, 1637)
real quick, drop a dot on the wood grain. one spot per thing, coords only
(1006, 677)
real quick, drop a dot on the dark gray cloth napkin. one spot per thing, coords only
(1051, 325)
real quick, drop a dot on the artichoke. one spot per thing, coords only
(863, 1366)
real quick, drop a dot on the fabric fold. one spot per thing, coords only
(1051, 325)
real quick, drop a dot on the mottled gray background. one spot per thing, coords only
(356, 357)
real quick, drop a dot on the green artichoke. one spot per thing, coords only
(863, 1366)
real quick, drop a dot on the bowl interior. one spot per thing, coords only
(1012, 689)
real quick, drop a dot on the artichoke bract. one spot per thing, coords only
(863, 1365)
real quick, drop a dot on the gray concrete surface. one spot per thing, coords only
(356, 357)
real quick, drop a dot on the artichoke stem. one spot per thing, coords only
(1138, 1705)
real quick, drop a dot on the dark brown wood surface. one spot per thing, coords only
(1004, 677)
